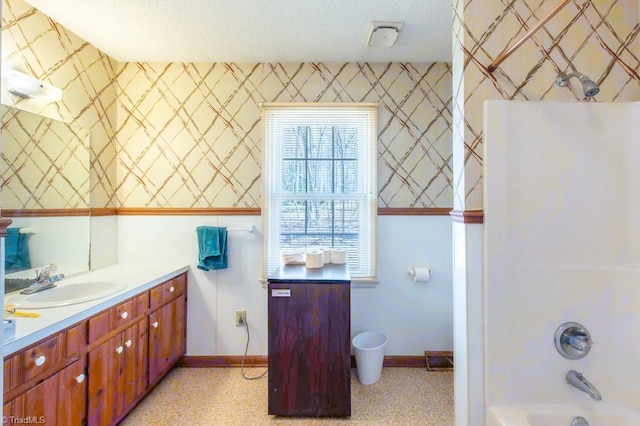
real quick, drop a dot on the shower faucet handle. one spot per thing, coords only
(579, 341)
(572, 340)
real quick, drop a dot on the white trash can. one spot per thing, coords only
(369, 348)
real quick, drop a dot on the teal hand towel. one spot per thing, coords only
(212, 247)
(16, 249)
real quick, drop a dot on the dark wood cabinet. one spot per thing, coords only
(46, 382)
(97, 370)
(72, 394)
(60, 399)
(117, 374)
(166, 338)
(309, 342)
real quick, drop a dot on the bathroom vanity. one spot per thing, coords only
(91, 363)
(309, 341)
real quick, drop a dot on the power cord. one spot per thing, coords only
(244, 357)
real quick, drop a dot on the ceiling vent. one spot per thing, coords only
(384, 34)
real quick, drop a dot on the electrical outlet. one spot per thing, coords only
(241, 318)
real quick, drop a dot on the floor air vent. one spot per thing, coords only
(439, 361)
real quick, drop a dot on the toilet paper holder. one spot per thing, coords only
(419, 273)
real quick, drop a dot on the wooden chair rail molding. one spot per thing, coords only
(467, 216)
(248, 211)
(4, 224)
(45, 212)
(256, 211)
(188, 211)
(104, 211)
(204, 211)
(414, 211)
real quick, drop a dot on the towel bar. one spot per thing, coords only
(250, 229)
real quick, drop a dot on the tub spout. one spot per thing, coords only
(578, 381)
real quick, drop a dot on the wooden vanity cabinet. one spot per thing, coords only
(60, 399)
(47, 382)
(167, 338)
(117, 374)
(72, 394)
(96, 371)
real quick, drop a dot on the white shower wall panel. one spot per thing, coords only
(561, 244)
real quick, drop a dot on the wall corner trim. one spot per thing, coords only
(467, 216)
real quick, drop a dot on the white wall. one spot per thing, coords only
(104, 234)
(415, 316)
(52, 233)
(561, 244)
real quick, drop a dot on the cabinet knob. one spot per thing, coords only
(155, 324)
(40, 360)
(119, 349)
(124, 315)
(128, 343)
(171, 289)
(80, 378)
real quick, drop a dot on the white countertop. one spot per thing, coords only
(137, 279)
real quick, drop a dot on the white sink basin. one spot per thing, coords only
(68, 294)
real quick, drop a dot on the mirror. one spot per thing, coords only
(45, 190)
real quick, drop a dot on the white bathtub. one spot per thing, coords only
(561, 415)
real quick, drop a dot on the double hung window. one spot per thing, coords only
(320, 182)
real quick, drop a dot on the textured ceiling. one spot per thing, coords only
(256, 30)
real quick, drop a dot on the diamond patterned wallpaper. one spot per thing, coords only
(35, 44)
(189, 135)
(598, 38)
(45, 163)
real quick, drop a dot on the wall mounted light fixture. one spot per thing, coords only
(25, 86)
(383, 34)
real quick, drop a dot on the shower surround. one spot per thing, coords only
(562, 225)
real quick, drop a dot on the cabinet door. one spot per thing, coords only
(37, 405)
(104, 383)
(117, 375)
(72, 394)
(134, 368)
(166, 337)
(310, 350)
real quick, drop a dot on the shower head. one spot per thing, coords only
(589, 87)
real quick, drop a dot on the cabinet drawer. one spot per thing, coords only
(167, 291)
(23, 366)
(40, 358)
(74, 339)
(119, 316)
(98, 326)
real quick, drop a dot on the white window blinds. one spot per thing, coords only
(320, 183)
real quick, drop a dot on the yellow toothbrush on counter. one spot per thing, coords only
(10, 309)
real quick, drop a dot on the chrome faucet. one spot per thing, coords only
(578, 381)
(46, 271)
(44, 279)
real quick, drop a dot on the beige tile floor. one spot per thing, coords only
(220, 396)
